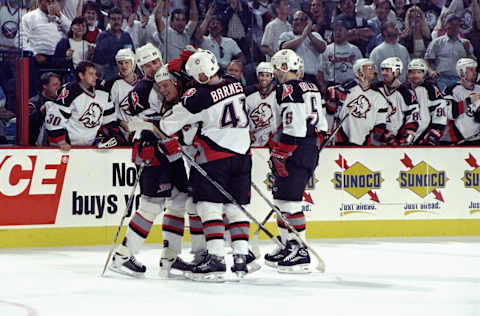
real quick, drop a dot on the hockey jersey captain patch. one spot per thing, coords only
(287, 91)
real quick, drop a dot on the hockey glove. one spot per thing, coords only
(187, 52)
(175, 65)
(278, 159)
(170, 148)
(432, 138)
(145, 150)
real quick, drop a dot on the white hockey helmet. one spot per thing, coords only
(285, 60)
(264, 67)
(163, 74)
(146, 54)
(202, 61)
(125, 54)
(358, 65)
(463, 64)
(418, 64)
(393, 63)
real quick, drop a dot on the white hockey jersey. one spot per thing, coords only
(220, 109)
(462, 124)
(368, 109)
(119, 89)
(263, 114)
(77, 114)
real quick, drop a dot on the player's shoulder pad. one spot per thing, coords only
(376, 85)
(449, 89)
(408, 94)
(197, 99)
(251, 89)
(349, 84)
(109, 84)
(289, 92)
(67, 93)
(142, 91)
(432, 90)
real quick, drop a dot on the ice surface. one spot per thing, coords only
(387, 277)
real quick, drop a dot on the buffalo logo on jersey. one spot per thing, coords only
(63, 94)
(357, 180)
(10, 29)
(287, 91)
(188, 94)
(361, 105)
(262, 116)
(92, 117)
(393, 110)
(422, 179)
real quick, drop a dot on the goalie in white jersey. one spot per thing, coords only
(262, 106)
(363, 107)
(464, 111)
(431, 116)
(294, 155)
(223, 143)
(81, 112)
(402, 104)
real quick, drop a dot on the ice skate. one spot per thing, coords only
(296, 260)
(172, 266)
(271, 259)
(239, 265)
(252, 265)
(211, 269)
(127, 265)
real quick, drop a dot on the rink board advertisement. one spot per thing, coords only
(49, 197)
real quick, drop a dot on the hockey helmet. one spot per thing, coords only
(393, 63)
(264, 67)
(163, 74)
(125, 54)
(285, 60)
(463, 64)
(146, 54)
(202, 61)
(418, 64)
(358, 65)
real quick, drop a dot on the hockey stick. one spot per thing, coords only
(139, 125)
(254, 239)
(321, 263)
(335, 131)
(129, 205)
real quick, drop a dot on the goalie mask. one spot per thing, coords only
(202, 66)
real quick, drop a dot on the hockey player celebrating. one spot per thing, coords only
(122, 84)
(402, 104)
(431, 116)
(163, 182)
(363, 107)
(464, 113)
(262, 106)
(223, 143)
(80, 111)
(294, 156)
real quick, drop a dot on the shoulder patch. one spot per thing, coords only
(287, 91)
(63, 94)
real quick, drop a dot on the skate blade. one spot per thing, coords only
(253, 267)
(271, 264)
(214, 277)
(297, 269)
(240, 275)
(127, 272)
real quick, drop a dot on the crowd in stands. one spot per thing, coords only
(329, 35)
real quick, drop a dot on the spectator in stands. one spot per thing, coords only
(5, 116)
(443, 53)
(179, 33)
(131, 23)
(237, 19)
(306, 43)
(336, 63)
(367, 12)
(416, 35)
(90, 13)
(432, 10)
(463, 9)
(71, 8)
(275, 28)
(440, 29)
(358, 31)
(262, 12)
(9, 19)
(224, 48)
(381, 9)
(72, 50)
(42, 29)
(321, 22)
(474, 35)
(389, 48)
(50, 83)
(235, 69)
(109, 42)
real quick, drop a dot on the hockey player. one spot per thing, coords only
(362, 105)
(431, 116)
(464, 111)
(122, 84)
(262, 106)
(223, 142)
(294, 155)
(80, 111)
(402, 103)
(162, 182)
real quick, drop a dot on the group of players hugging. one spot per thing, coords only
(213, 118)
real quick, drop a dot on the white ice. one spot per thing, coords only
(384, 277)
